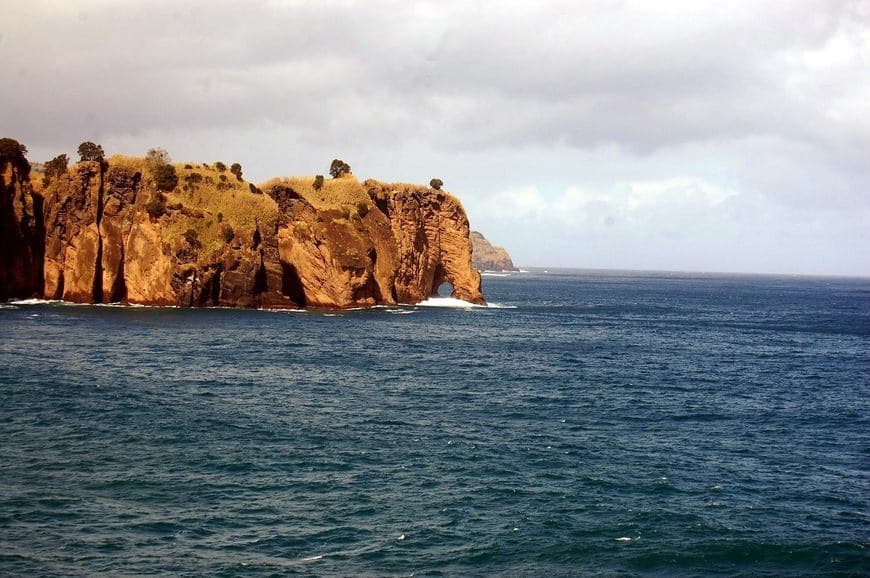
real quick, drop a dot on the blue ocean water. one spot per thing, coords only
(598, 423)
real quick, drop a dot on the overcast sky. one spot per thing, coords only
(606, 134)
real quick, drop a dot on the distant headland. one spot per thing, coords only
(145, 230)
(487, 257)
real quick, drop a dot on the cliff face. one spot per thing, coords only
(221, 241)
(21, 234)
(103, 246)
(431, 232)
(487, 257)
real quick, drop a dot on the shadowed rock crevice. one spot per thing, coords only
(291, 285)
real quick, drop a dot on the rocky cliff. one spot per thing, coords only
(21, 234)
(487, 257)
(106, 232)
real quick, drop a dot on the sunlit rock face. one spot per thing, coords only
(97, 238)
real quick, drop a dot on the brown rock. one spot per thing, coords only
(431, 232)
(486, 257)
(355, 245)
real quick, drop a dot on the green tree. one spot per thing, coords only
(55, 168)
(436, 184)
(236, 169)
(339, 168)
(12, 151)
(89, 151)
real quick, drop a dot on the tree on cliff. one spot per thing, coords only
(89, 151)
(165, 177)
(436, 184)
(12, 151)
(156, 158)
(236, 169)
(339, 168)
(55, 168)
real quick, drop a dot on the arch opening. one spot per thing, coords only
(445, 289)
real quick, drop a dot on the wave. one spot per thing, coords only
(39, 302)
(460, 304)
(431, 302)
(448, 302)
(494, 274)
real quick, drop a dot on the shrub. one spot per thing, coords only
(155, 158)
(339, 168)
(236, 169)
(220, 217)
(318, 182)
(227, 233)
(436, 184)
(223, 178)
(188, 166)
(362, 209)
(254, 189)
(220, 166)
(156, 207)
(89, 151)
(165, 177)
(191, 237)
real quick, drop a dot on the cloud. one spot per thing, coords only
(676, 204)
(552, 108)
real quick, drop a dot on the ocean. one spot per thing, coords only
(591, 423)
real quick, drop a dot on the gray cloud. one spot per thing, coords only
(767, 99)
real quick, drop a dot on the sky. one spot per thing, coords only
(731, 137)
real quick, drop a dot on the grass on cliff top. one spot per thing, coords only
(335, 193)
(201, 188)
(411, 187)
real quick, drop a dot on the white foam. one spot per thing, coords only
(7, 306)
(447, 302)
(494, 274)
(623, 539)
(402, 537)
(460, 304)
(35, 302)
(312, 558)
(400, 311)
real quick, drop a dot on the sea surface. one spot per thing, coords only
(593, 423)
